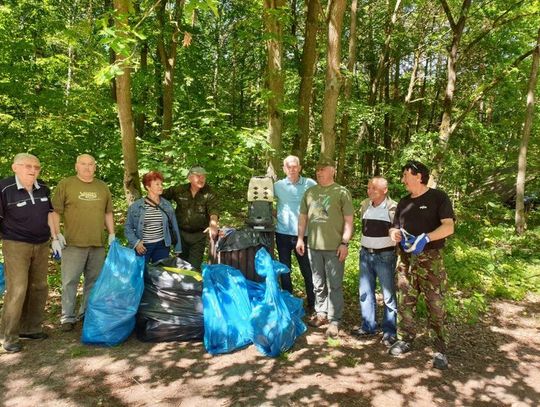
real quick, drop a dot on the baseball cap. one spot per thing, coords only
(197, 169)
(325, 162)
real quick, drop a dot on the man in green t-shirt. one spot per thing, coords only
(85, 204)
(327, 212)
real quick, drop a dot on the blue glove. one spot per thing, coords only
(407, 240)
(419, 244)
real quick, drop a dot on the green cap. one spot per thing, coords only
(325, 162)
(197, 170)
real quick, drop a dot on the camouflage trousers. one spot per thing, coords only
(417, 275)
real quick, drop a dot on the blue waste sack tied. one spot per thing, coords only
(110, 314)
(238, 312)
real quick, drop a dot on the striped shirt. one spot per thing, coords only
(376, 222)
(153, 224)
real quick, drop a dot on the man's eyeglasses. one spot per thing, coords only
(30, 167)
(411, 164)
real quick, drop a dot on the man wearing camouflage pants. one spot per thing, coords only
(422, 221)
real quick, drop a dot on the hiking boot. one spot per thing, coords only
(67, 326)
(388, 340)
(360, 333)
(399, 348)
(38, 335)
(440, 361)
(317, 320)
(12, 347)
(332, 331)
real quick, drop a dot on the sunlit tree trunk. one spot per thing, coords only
(307, 70)
(274, 47)
(347, 89)
(522, 158)
(336, 10)
(125, 115)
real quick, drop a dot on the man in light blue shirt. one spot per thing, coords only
(289, 192)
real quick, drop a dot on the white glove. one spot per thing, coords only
(111, 238)
(61, 239)
(56, 247)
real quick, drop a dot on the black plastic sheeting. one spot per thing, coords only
(242, 239)
(171, 308)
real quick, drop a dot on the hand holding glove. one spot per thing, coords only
(61, 239)
(111, 238)
(56, 247)
(407, 240)
(419, 244)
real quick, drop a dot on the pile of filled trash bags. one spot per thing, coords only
(169, 301)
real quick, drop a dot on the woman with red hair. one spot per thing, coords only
(151, 227)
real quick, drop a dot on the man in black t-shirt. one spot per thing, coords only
(423, 220)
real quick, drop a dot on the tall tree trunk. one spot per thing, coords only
(167, 54)
(307, 71)
(132, 187)
(336, 10)
(444, 129)
(522, 159)
(274, 47)
(347, 90)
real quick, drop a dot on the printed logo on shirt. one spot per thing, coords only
(320, 209)
(423, 207)
(88, 196)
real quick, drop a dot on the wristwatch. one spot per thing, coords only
(345, 244)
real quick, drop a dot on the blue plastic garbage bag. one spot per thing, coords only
(110, 314)
(226, 309)
(276, 321)
(2, 280)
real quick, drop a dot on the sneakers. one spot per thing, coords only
(440, 361)
(332, 331)
(67, 326)
(317, 320)
(388, 340)
(399, 348)
(12, 347)
(360, 333)
(38, 335)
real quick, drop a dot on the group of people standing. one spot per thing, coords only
(30, 217)
(413, 231)
(314, 221)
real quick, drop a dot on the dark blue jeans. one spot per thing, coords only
(380, 266)
(286, 244)
(156, 251)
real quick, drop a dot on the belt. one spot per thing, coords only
(384, 249)
(192, 230)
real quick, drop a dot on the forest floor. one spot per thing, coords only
(495, 362)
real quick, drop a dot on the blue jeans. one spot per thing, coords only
(380, 265)
(286, 244)
(156, 251)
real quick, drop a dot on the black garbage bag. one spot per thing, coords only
(242, 239)
(171, 308)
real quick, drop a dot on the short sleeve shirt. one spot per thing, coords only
(24, 215)
(289, 196)
(423, 214)
(326, 208)
(83, 206)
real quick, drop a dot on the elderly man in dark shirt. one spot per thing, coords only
(25, 226)
(197, 214)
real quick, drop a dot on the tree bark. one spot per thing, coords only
(167, 56)
(522, 158)
(336, 10)
(307, 71)
(274, 47)
(132, 187)
(347, 90)
(444, 129)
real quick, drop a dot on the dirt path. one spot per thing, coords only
(493, 363)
